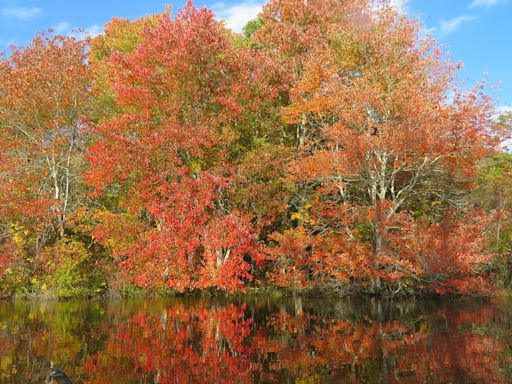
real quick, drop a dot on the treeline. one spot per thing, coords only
(330, 145)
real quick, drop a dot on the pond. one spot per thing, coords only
(258, 340)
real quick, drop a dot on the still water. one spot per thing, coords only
(258, 340)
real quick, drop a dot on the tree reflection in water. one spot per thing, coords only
(257, 340)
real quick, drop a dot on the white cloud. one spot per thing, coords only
(485, 3)
(449, 26)
(66, 29)
(62, 28)
(236, 16)
(94, 30)
(501, 109)
(427, 32)
(399, 5)
(506, 145)
(21, 13)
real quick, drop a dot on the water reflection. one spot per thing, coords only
(258, 340)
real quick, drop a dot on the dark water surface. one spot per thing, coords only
(258, 340)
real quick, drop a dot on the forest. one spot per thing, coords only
(332, 146)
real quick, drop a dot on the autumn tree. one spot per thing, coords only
(44, 96)
(384, 138)
(187, 96)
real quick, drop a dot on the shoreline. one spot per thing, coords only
(268, 292)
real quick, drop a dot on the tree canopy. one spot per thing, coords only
(329, 145)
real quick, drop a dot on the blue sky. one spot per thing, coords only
(477, 32)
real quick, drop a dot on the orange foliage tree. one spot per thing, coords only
(185, 94)
(385, 143)
(44, 96)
